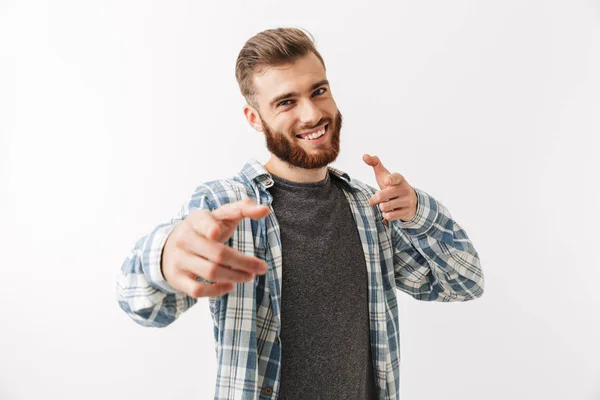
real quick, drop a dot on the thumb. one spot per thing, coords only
(230, 215)
(381, 173)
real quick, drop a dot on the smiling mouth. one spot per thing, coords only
(314, 134)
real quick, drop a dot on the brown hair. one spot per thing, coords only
(272, 47)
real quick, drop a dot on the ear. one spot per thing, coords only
(253, 118)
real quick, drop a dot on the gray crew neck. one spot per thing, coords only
(287, 183)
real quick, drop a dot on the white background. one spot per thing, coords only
(111, 113)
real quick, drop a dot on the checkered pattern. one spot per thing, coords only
(430, 258)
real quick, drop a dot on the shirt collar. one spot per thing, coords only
(255, 171)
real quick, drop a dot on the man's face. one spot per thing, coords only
(297, 113)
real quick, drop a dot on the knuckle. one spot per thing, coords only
(214, 228)
(211, 272)
(175, 235)
(219, 255)
(183, 237)
(211, 224)
(181, 240)
(197, 290)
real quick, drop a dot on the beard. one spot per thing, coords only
(289, 151)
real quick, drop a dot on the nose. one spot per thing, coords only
(309, 114)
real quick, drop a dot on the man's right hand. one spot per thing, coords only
(195, 248)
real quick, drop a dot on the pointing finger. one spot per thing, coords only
(374, 162)
(377, 165)
(381, 173)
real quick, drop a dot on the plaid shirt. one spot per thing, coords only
(430, 257)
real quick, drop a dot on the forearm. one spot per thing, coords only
(142, 291)
(435, 259)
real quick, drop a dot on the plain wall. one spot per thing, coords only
(111, 113)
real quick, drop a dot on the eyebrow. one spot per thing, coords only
(293, 94)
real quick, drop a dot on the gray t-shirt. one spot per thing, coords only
(325, 346)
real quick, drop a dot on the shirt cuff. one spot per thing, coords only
(427, 211)
(152, 256)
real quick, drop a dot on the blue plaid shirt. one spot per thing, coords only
(430, 257)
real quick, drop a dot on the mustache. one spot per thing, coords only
(321, 122)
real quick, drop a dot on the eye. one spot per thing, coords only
(284, 103)
(319, 91)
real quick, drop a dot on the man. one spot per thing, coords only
(300, 263)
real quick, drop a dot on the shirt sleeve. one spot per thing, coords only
(434, 259)
(142, 291)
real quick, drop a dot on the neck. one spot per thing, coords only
(301, 175)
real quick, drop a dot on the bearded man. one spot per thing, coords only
(300, 263)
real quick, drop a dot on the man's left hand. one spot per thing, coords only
(396, 199)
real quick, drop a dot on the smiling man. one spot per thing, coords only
(300, 263)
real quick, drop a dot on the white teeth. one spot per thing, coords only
(316, 134)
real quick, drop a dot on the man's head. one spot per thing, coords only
(282, 77)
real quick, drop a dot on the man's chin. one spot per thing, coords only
(301, 153)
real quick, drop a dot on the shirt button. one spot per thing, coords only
(268, 390)
(277, 340)
(385, 222)
(263, 249)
